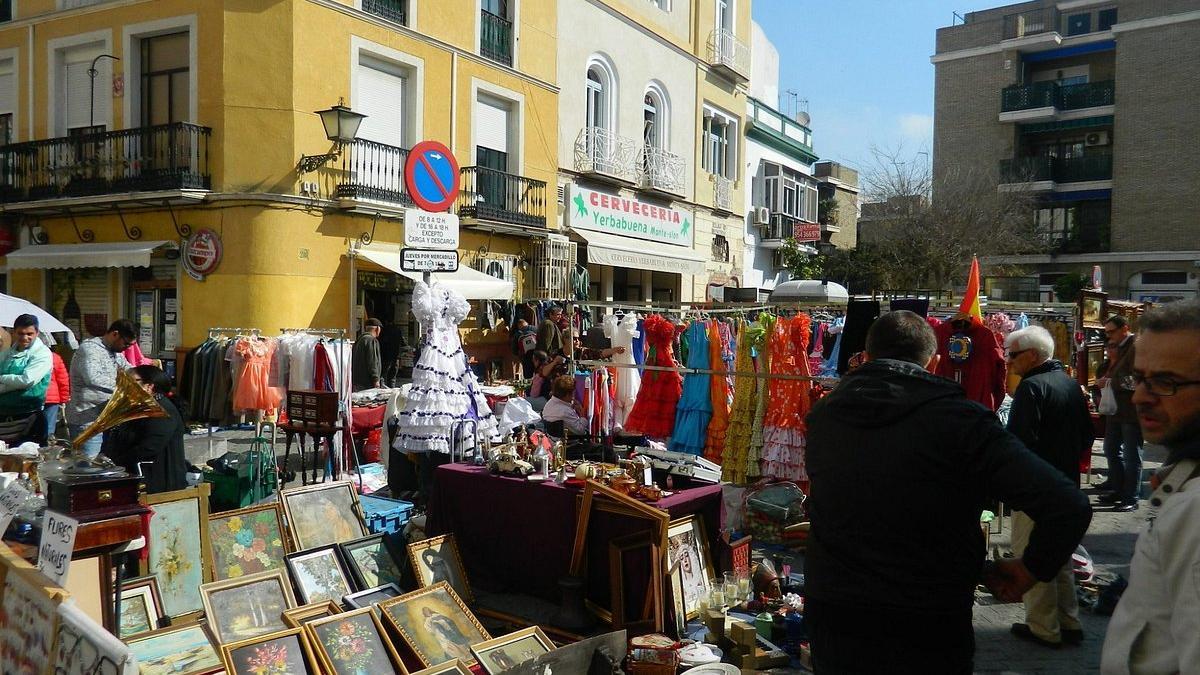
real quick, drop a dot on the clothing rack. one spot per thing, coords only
(704, 371)
(249, 332)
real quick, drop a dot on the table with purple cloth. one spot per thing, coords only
(515, 536)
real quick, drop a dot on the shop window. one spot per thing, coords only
(720, 248)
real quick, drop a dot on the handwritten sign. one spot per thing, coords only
(11, 500)
(58, 543)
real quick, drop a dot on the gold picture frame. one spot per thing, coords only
(494, 656)
(322, 514)
(317, 635)
(687, 538)
(271, 557)
(1092, 308)
(401, 615)
(232, 654)
(454, 667)
(297, 617)
(140, 592)
(426, 554)
(262, 607)
(178, 650)
(174, 550)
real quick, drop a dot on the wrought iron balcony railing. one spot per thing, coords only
(1031, 22)
(1062, 170)
(488, 194)
(162, 157)
(1053, 95)
(495, 38)
(722, 193)
(726, 51)
(600, 151)
(780, 226)
(660, 170)
(374, 171)
(392, 10)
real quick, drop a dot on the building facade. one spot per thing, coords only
(133, 126)
(1086, 104)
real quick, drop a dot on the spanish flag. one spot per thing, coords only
(970, 302)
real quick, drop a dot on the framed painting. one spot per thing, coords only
(319, 574)
(247, 541)
(247, 607)
(1095, 359)
(353, 643)
(141, 606)
(435, 624)
(437, 559)
(500, 654)
(1092, 309)
(687, 547)
(454, 667)
(322, 514)
(179, 552)
(371, 562)
(182, 650)
(297, 617)
(372, 596)
(285, 652)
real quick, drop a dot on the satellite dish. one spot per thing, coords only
(803, 118)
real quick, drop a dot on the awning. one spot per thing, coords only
(473, 284)
(66, 256)
(618, 251)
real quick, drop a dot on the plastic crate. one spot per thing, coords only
(384, 514)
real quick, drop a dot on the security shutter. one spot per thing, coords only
(381, 99)
(491, 124)
(91, 292)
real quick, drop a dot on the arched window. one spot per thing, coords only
(601, 90)
(655, 116)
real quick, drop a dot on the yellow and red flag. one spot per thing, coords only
(970, 303)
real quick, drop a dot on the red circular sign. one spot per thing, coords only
(431, 176)
(202, 253)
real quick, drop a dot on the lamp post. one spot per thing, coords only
(341, 126)
(92, 73)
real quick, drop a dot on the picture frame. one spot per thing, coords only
(687, 547)
(1092, 307)
(435, 624)
(297, 617)
(177, 650)
(247, 541)
(141, 607)
(657, 517)
(247, 607)
(508, 651)
(372, 596)
(678, 610)
(179, 552)
(454, 667)
(371, 561)
(647, 602)
(322, 514)
(319, 574)
(353, 642)
(1095, 358)
(437, 559)
(287, 651)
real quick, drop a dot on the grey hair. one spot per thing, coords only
(1034, 337)
(1178, 315)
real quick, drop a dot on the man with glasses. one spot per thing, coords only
(94, 377)
(1156, 625)
(1122, 437)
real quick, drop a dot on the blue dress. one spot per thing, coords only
(695, 406)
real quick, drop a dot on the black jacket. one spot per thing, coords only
(901, 463)
(157, 440)
(1118, 371)
(1050, 416)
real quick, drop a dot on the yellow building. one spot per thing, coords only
(131, 124)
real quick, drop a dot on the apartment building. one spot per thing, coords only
(1090, 105)
(164, 160)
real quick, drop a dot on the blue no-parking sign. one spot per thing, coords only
(431, 176)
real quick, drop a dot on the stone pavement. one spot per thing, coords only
(1110, 541)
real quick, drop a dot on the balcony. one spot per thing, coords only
(728, 54)
(722, 193)
(392, 10)
(603, 155)
(1032, 22)
(372, 172)
(1080, 238)
(1047, 100)
(143, 159)
(660, 171)
(780, 131)
(495, 38)
(779, 228)
(1051, 170)
(498, 197)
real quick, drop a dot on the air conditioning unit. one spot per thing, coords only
(777, 260)
(1096, 138)
(762, 215)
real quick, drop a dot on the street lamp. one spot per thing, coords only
(92, 73)
(341, 126)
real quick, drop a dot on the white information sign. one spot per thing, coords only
(11, 500)
(58, 543)
(420, 260)
(427, 229)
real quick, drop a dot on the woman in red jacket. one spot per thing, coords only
(57, 394)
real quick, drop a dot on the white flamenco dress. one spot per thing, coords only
(622, 333)
(444, 390)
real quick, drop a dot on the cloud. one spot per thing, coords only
(917, 128)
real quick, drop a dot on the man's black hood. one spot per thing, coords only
(883, 391)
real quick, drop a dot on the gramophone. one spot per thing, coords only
(86, 487)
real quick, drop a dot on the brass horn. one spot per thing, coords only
(129, 402)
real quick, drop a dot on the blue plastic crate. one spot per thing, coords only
(384, 514)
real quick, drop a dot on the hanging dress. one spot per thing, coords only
(789, 401)
(622, 333)
(653, 413)
(766, 326)
(444, 390)
(741, 416)
(719, 391)
(695, 407)
(253, 390)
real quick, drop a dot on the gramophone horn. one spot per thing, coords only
(129, 402)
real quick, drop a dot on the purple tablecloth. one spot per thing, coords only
(516, 536)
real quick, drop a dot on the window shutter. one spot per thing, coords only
(76, 86)
(491, 124)
(381, 99)
(8, 83)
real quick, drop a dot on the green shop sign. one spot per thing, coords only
(600, 212)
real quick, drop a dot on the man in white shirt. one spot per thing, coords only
(562, 407)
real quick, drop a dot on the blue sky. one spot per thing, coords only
(864, 67)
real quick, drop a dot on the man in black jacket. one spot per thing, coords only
(152, 447)
(1050, 416)
(901, 464)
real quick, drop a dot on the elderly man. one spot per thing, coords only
(25, 370)
(1050, 415)
(1122, 437)
(94, 377)
(366, 364)
(1156, 626)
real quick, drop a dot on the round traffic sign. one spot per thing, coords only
(431, 176)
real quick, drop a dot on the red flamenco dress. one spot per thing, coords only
(653, 413)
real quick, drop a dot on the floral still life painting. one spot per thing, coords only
(246, 541)
(282, 653)
(353, 643)
(175, 555)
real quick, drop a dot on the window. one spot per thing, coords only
(719, 144)
(8, 99)
(492, 134)
(597, 99)
(382, 98)
(74, 111)
(720, 248)
(789, 192)
(496, 31)
(165, 79)
(1079, 24)
(6, 130)
(664, 5)
(1106, 18)
(5, 10)
(724, 17)
(655, 116)
(1165, 278)
(393, 10)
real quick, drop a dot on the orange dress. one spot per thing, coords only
(788, 401)
(253, 392)
(714, 447)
